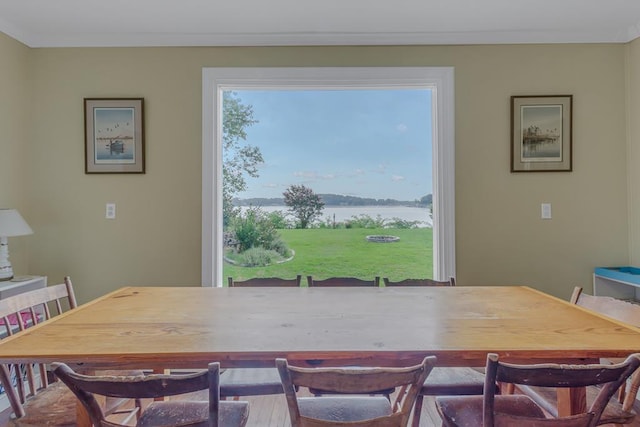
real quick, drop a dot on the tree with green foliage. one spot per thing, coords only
(426, 200)
(304, 204)
(238, 157)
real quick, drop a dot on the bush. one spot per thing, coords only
(246, 229)
(256, 229)
(396, 222)
(279, 220)
(280, 247)
(257, 257)
(365, 221)
(329, 223)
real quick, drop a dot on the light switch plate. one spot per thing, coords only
(545, 210)
(110, 211)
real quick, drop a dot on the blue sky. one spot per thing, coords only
(366, 143)
(113, 122)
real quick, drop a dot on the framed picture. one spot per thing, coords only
(541, 133)
(114, 135)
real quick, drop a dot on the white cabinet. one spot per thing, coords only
(617, 282)
(19, 284)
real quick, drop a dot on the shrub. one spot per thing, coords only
(246, 229)
(257, 257)
(329, 222)
(279, 220)
(365, 221)
(255, 229)
(280, 247)
(396, 222)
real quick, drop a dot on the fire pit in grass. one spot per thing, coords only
(382, 238)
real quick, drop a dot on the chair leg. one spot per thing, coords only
(417, 411)
(621, 393)
(5, 377)
(138, 404)
(507, 388)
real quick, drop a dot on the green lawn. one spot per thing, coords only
(326, 253)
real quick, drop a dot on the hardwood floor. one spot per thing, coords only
(271, 411)
(265, 411)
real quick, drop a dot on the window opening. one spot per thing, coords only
(257, 87)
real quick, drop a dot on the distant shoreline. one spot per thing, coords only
(345, 213)
(412, 205)
(339, 201)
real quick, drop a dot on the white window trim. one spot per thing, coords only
(439, 79)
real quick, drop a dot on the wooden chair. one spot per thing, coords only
(342, 281)
(442, 381)
(254, 381)
(353, 410)
(490, 410)
(345, 282)
(166, 413)
(620, 410)
(264, 281)
(419, 282)
(35, 398)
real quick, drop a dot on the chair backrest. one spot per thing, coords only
(622, 311)
(342, 281)
(151, 386)
(617, 309)
(419, 282)
(609, 377)
(355, 380)
(265, 282)
(19, 312)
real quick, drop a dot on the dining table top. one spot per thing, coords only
(188, 327)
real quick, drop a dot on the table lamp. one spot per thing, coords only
(11, 224)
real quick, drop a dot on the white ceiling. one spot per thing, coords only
(57, 23)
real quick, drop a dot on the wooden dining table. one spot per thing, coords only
(188, 327)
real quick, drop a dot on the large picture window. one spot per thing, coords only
(320, 84)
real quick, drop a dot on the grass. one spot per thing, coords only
(326, 253)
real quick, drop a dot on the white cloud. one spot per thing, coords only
(380, 169)
(397, 178)
(356, 173)
(306, 174)
(402, 128)
(310, 176)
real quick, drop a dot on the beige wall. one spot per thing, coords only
(500, 236)
(156, 237)
(15, 101)
(633, 159)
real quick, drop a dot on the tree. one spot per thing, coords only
(303, 203)
(238, 157)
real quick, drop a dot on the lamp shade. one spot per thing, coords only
(12, 224)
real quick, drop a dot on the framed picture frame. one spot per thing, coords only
(541, 133)
(114, 135)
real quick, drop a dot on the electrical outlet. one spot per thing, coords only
(111, 211)
(545, 210)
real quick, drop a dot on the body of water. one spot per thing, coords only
(108, 153)
(343, 213)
